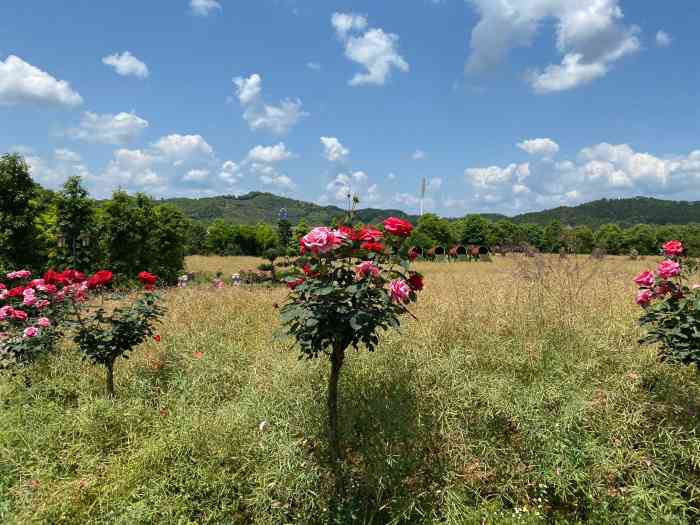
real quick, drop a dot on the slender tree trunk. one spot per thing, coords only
(110, 379)
(336, 363)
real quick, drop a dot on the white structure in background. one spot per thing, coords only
(422, 195)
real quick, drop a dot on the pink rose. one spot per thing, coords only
(646, 278)
(42, 304)
(668, 269)
(672, 248)
(35, 283)
(29, 300)
(19, 315)
(366, 268)
(31, 331)
(399, 291)
(3, 294)
(20, 274)
(644, 297)
(5, 312)
(43, 322)
(322, 240)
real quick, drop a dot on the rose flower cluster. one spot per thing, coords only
(662, 283)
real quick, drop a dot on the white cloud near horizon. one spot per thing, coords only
(204, 8)
(334, 151)
(23, 83)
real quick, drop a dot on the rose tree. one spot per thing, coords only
(671, 307)
(355, 282)
(104, 337)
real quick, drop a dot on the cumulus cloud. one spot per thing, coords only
(182, 148)
(269, 154)
(663, 39)
(334, 151)
(204, 7)
(374, 49)
(355, 184)
(278, 119)
(544, 147)
(419, 154)
(230, 173)
(66, 155)
(601, 170)
(23, 83)
(590, 36)
(126, 64)
(109, 129)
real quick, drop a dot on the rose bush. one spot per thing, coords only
(353, 284)
(671, 307)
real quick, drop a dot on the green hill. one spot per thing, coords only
(625, 212)
(258, 207)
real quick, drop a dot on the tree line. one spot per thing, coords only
(42, 229)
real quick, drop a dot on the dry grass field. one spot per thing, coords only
(520, 395)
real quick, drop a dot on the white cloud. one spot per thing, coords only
(127, 64)
(133, 170)
(355, 183)
(279, 181)
(23, 83)
(230, 173)
(334, 151)
(434, 184)
(663, 39)
(269, 154)
(346, 22)
(391, 176)
(260, 115)
(196, 175)
(315, 66)
(419, 154)
(204, 7)
(590, 36)
(109, 129)
(601, 170)
(66, 155)
(544, 147)
(183, 147)
(375, 50)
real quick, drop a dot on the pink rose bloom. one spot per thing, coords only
(668, 269)
(672, 248)
(644, 297)
(3, 295)
(366, 268)
(42, 304)
(29, 300)
(35, 283)
(19, 315)
(31, 331)
(20, 274)
(5, 312)
(322, 240)
(60, 296)
(43, 322)
(399, 291)
(49, 289)
(645, 278)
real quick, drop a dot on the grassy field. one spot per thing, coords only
(520, 395)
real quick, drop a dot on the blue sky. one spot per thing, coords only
(503, 105)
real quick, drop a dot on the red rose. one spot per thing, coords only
(73, 276)
(398, 227)
(376, 247)
(16, 292)
(416, 282)
(308, 272)
(296, 282)
(52, 277)
(101, 278)
(370, 235)
(351, 233)
(156, 338)
(147, 279)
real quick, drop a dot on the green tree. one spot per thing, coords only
(76, 243)
(552, 236)
(475, 230)
(19, 240)
(169, 239)
(583, 239)
(436, 229)
(609, 238)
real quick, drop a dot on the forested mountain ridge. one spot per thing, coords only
(258, 207)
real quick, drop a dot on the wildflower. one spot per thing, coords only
(156, 338)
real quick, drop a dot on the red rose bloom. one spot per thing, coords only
(73, 276)
(147, 279)
(101, 278)
(351, 233)
(398, 227)
(292, 285)
(376, 247)
(416, 282)
(156, 338)
(370, 235)
(53, 277)
(16, 292)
